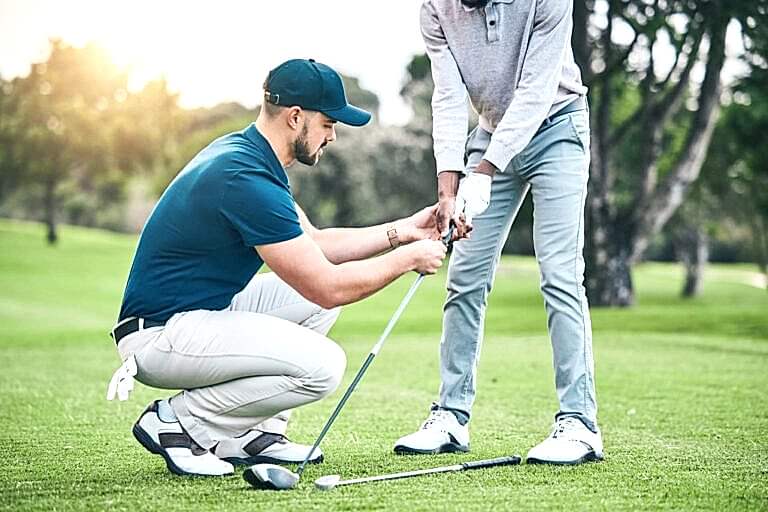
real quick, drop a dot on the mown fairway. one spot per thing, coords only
(681, 384)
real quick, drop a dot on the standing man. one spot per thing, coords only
(244, 348)
(514, 58)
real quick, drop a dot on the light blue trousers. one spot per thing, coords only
(554, 166)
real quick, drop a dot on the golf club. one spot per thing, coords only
(272, 476)
(326, 483)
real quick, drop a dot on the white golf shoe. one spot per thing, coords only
(570, 442)
(169, 440)
(440, 433)
(257, 447)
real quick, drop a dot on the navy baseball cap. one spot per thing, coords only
(312, 86)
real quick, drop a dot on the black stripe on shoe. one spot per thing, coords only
(262, 442)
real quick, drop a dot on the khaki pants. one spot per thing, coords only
(243, 367)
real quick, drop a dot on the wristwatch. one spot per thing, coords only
(394, 240)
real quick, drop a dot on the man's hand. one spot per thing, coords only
(474, 193)
(419, 226)
(447, 186)
(427, 255)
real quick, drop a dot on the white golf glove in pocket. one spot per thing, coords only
(474, 195)
(122, 380)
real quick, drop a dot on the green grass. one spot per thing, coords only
(681, 386)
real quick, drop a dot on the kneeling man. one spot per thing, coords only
(244, 348)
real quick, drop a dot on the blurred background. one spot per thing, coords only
(101, 105)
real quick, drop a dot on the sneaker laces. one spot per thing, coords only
(565, 427)
(437, 418)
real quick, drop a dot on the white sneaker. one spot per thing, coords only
(182, 455)
(257, 447)
(440, 433)
(570, 442)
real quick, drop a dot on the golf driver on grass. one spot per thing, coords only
(272, 476)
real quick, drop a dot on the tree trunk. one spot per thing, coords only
(50, 210)
(609, 277)
(608, 272)
(692, 247)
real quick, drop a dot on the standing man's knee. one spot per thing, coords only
(560, 280)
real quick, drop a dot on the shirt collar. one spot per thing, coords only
(469, 9)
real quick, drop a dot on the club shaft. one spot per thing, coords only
(501, 461)
(363, 368)
(405, 474)
(396, 316)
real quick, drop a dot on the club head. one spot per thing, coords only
(328, 482)
(270, 476)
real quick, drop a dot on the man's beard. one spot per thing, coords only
(475, 3)
(301, 149)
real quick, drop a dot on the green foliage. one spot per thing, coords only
(680, 386)
(73, 134)
(369, 175)
(376, 173)
(83, 146)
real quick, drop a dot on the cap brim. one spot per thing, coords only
(350, 115)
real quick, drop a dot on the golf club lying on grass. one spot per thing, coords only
(326, 483)
(272, 476)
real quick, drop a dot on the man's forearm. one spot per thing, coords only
(355, 280)
(351, 244)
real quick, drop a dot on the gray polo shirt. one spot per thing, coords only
(515, 60)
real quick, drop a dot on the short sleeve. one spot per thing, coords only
(260, 208)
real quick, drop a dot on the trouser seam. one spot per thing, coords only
(581, 304)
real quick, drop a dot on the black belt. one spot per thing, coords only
(131, 325)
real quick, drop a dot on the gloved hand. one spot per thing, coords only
(473, 196)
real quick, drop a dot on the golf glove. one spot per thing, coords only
(474, 195)
(122, 380)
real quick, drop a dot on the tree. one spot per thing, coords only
(736, 170)
(641, 170)
(71, 132)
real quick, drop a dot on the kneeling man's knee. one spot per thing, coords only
(330, 370)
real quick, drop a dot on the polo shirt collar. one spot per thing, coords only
(470, 9)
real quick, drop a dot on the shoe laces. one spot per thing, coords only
(438, 418)
(565, 427)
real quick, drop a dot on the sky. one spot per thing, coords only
(212, 52)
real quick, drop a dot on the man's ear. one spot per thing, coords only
(294, 117)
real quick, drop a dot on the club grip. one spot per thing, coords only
(500, 461)
(447, 239)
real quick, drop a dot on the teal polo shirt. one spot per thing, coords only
(196, 250)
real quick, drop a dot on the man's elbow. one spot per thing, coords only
(326, 296)
(330, 300)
